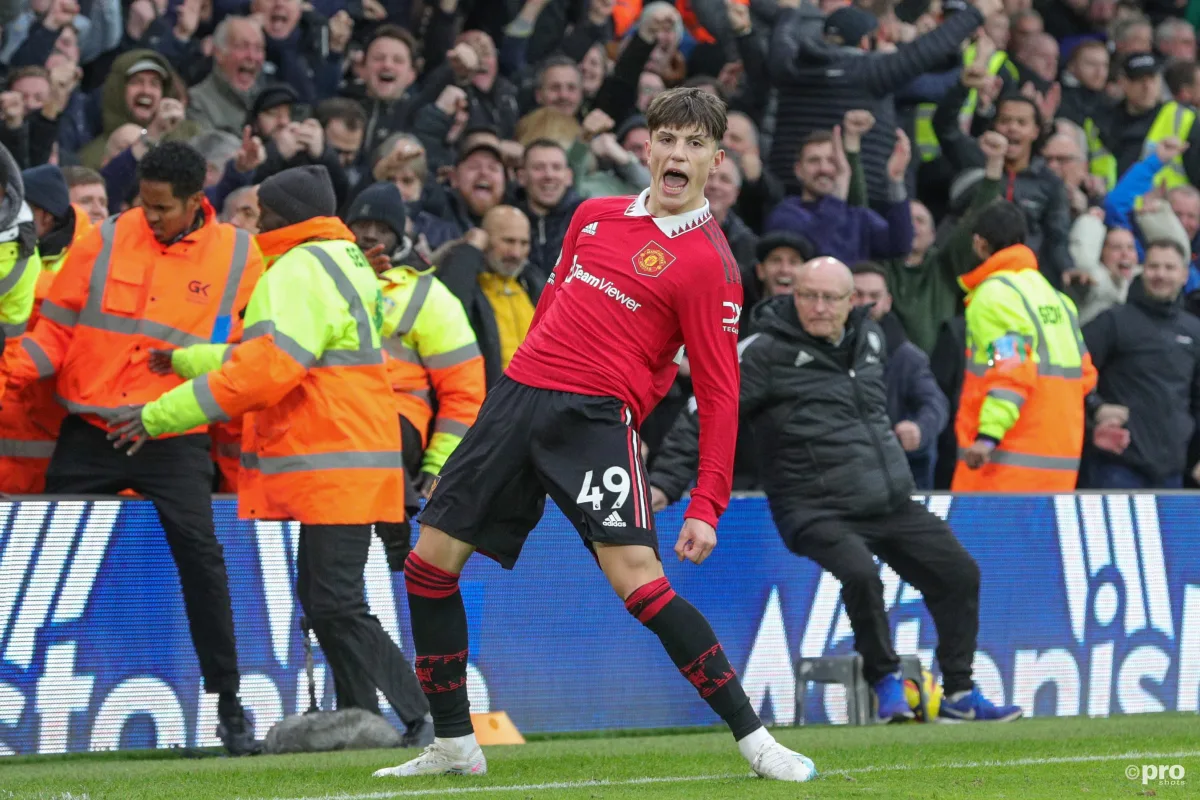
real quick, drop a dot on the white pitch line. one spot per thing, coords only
(527, 787)
(538, 787)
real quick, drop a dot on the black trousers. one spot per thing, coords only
(329, 585)
(176, 475)
(924, 552)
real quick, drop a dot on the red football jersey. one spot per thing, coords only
(628, 292)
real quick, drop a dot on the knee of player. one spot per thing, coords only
(627, 567)
(442, 550)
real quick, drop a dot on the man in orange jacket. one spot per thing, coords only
(163, 274)
(1020, 422)
(30, 420)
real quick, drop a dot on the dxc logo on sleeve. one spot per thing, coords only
(733, 316)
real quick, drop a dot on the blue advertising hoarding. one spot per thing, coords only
(1090, 605)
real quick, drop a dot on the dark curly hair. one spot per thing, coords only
(178, 164)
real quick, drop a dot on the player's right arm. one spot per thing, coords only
(564, 265)
(41, 352)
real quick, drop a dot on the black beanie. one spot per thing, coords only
(380, 202)
(46, 188)
(299, 194)
(773, 241)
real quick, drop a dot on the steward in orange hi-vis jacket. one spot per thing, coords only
(1020, 422)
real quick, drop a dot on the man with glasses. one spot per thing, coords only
(838, 482)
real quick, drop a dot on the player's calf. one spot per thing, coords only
(690, 642)
(439, 627)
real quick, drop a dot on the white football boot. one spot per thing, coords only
(443, 757)
(776, 762)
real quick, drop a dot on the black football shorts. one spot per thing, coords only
(528, 443)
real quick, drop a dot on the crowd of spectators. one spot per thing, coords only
(873, 131)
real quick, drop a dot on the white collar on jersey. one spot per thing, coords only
(671, 226)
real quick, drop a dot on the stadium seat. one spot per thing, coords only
(845, 670)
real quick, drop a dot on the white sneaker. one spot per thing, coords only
(776, 762)
(440, 758)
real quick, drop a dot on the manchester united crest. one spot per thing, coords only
(652, 259)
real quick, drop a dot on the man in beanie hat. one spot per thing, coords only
(59, 223)
(158, 275)
(379, 217)
(321, 443)
(432, 345)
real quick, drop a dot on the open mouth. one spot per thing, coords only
(482, 189)
(143, 101)
(247, 72)
(674, 181)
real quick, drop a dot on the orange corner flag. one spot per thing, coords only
(495, 728)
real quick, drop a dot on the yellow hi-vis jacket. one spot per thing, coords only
(431, 347)
(1027, 374)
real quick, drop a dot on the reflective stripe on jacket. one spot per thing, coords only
(431, 346)
(18, 287)
(1027, 374)
(320, 442)
(1173, 119)
(121, 293)
(30, 418)
(926, 140)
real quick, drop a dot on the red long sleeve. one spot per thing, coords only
(710, 323)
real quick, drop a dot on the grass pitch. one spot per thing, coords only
(1036, 758)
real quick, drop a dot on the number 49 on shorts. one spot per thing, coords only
(615, 480)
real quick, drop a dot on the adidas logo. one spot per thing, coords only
(803, 358)
(590, 228)
(614, 521)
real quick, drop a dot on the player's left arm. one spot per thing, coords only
(562, 267)
(709, 311)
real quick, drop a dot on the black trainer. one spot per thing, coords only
(235, 732)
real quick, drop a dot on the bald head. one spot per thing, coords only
(507, 229)
(824, 288)
(829, 270)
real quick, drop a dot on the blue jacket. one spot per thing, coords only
(848, 233)
(1118, 209)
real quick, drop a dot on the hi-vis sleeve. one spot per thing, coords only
(447, 347)
(42, 351)
(1001, 334)
(18, 284)
(288, 325)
